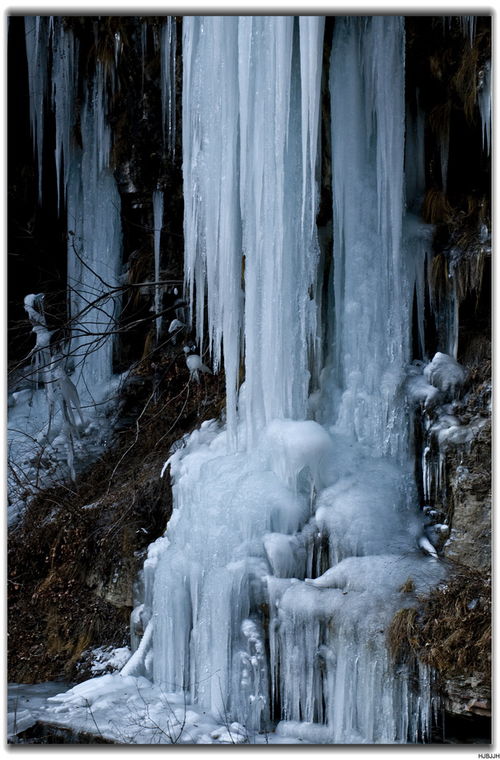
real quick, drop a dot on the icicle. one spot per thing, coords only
(415, 157)
(94, 245)
(118, 48)
(144, 49)
(311, 58)
(453, 320)
(468, 25)
(484, 102)
(101, 133)
(37, 36)
(418, 252)
(280, 257)
(212, 224)
(158, 225)
(446, 21)
(444, 152)
(367, 87)
(168, 86)
(64, 70)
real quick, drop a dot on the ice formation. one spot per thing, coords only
(265, 138)
(158, 225)
(79, 372)
(38, 29)
(295, 524)
(87, 186)
(468, 24)
(312, 520)
(168, 80)
(94, 246)
(445, 373)
(484, 99)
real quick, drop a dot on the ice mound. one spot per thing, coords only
(421, 391)
(381, 575)
(445, 373)
(296, 446)
(368, 512)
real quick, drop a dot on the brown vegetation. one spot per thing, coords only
(451, 628)
(77, 543)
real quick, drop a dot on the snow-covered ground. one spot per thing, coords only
(27, 703)
(128, 710)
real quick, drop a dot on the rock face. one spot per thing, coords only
(470, 502)
(470, 544)
(457, 474)
(467, 696)
(118, 589)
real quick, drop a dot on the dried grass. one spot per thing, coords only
(436, 208)
(439, 119)
(61, 555)
(464, 81)
(451, 630)
(401, 635)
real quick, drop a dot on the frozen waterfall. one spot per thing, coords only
(86, 186)
(94, 244)
(295, 524)
(250, 159)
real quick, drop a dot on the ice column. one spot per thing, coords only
(168, 84)
(64, 84)
(250, 134)
(212, 220)
(484, 100)
(94, 245)
(85, 182)
(277, 107)
(250, 246)
(371, 298)
(38, 30)
(158, 223)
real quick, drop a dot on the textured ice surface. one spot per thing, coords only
(275, 498)
(421, 391)
(445, 373)
(27, 703)
(484, 100)
(37, 456)
(106, 659)
(298, 446)
(370, 282)
(131, 710)
(250, 125)
(229, 637)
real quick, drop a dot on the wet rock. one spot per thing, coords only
(470, 502)
(467, 695)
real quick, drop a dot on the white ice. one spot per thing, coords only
(445, 373)
(271, 497)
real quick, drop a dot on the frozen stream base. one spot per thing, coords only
(267, 645)
(125, 710)
(131, 710)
